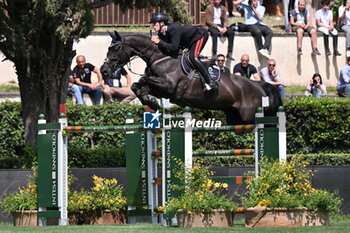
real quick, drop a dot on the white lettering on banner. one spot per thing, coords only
(211, 122)
(54, 193)
(54, 152)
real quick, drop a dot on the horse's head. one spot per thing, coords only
(117, 55)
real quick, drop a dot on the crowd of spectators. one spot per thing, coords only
(300, 21)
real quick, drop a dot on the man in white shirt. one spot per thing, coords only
(217, 21)
(271, 74)
(344, 16)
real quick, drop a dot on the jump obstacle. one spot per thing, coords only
(141, 159)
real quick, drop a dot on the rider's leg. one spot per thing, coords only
(195, 50)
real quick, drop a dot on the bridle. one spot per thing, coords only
(146, 52)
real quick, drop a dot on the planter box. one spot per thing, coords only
(218, 218)
(29, 218)
(97, 217)
(282, 217)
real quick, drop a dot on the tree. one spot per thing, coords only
(38, 36)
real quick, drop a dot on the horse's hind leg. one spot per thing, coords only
(233, 117)
(141, 91)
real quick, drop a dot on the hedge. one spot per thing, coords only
(314, 126)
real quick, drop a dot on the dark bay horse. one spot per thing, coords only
(237, 96)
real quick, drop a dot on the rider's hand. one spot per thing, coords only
(155, 39)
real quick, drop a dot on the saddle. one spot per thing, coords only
(187, 66)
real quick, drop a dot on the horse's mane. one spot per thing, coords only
(145, 41)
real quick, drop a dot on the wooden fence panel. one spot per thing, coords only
(112, 15)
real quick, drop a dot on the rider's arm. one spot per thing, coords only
(173, 46)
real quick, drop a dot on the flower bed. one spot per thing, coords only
(200, 203)
(286, 185)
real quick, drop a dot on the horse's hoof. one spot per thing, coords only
(153, 103)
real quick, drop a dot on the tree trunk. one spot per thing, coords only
(43, 85)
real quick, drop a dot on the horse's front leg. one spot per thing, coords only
(141, 90)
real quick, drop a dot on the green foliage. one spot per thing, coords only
(98, 157)
(105, 194)
(287, 185)
(318, 125)
(198, 191)
(321, 159)
(11, 133)
(317, 129)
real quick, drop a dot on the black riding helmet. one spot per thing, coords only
(158, 17)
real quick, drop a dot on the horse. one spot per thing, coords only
(237, 96)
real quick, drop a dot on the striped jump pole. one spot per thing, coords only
(203, 153)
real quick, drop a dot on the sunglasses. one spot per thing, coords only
(219, 60)
(244, 60)
(272, 64)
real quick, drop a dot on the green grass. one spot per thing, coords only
(297, 89)
(9, 88)
(338, 224)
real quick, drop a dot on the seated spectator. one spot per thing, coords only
(73, 88)
(301, 22)
(216, 19)
(344, 17)
(271, 74)
(113, 87)
(245, 69)
(253, 15)
(82, 77)
(316, 87)
(324, 22)
(343, 85)
(229, 6)
(220, 60)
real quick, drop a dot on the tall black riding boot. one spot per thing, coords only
(326, 44)
(335, 46)
(210, 84)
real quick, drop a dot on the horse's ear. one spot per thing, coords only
(117, 36)
(113, 36)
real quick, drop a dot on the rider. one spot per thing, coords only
(171, 37)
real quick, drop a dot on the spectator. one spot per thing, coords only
(343, 85)
(73, 88)
(277, 5)
(271, 74)
(216, 19)
(344, 17)
(229, 6)
(245, 69)
(324, 22)
(301, 22)
(253, 15)
(82, 77)
(113, 87)
(220, 60)
(316, 87)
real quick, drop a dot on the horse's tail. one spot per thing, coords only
(274, 98)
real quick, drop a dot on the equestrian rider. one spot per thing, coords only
(172, 37)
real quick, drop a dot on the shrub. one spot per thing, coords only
(198, 191)
(287, 185)
(106, 194)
